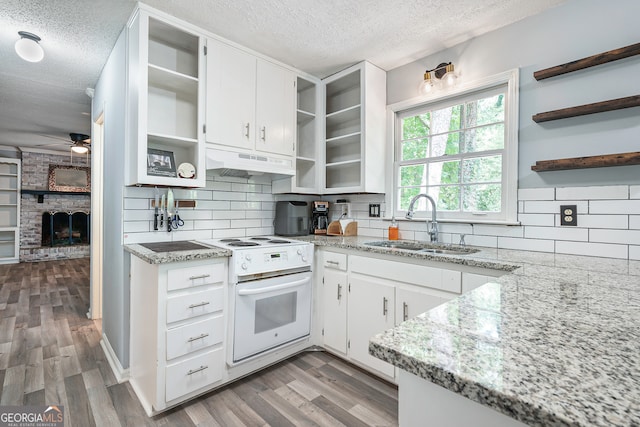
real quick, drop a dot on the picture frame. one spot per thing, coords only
(74, 179)
(161, 163)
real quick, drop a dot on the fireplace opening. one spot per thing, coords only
(65, 228)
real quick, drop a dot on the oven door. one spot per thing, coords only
(271, 312)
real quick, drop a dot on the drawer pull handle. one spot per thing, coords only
(333, 262)
(384, 306)
(339, 291)
(193, 371)
(192, 339)
(202, 276)
(405, 311)
(199, 305)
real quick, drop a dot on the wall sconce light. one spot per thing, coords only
(445, 75)
(28, 47)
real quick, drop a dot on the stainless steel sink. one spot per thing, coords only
(422, 247)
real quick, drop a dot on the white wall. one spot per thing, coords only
(110, 99)
(574, 30)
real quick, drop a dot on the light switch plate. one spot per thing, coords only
(569, 215)
(374, 210)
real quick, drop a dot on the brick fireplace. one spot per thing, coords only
(35, 176)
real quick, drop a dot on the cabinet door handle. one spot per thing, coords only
(201, 336)
(405, 311)
(202, 276)
(199, 305)
(339, 291)
(263, 133)
(193, 371)
(246, 130)
(384, 306)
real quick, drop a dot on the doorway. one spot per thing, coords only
(97, 228)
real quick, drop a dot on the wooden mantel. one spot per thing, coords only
(620, 159)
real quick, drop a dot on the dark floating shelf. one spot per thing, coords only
(583, 110)
(591, 61)
(621, 159)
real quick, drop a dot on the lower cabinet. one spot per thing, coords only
(363, 296)
(178, 325)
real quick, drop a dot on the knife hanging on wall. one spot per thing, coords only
(155, 210)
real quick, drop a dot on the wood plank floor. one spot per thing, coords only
(50, 354)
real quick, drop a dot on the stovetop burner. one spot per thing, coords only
(230, 240)
(277, 241)
(260, 238)
(243, 244)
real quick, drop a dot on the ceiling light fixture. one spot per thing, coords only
(80, 149)
(28, 47)
(445, 75)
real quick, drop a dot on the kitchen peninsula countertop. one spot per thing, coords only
(153, 257)
(554, 342)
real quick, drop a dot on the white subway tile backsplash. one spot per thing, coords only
(245, 223)
(213, 205)
(605, 192)
(228, 195)
(259, 214)
(634, 252)
(137, 204)
(634, 191)
(553, 207)
(634, 222)
(138, 215)
(137, 226)
(600, 221)
(556, 233)
(592, 249)
(229, 214)
(245, 206)
(545, 220)
(631, 237)
(212, 224)
(246, 188)
(525, 244)
(219, 186)
(484, 241)
(614, 207)
(536, 194)
(192, 214)
(191, 194)
(259, 197)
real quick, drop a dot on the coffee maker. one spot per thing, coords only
(320, 218)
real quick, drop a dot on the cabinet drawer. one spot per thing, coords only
(193, 374)
(335, 260)
(194, 336)
(182, 278)
(194, 304)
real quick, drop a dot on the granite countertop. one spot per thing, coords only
(153, 257)
(555, 342)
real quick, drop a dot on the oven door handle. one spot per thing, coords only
(243, 292)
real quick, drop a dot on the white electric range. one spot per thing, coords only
(271, 282)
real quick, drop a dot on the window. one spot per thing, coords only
(462, 151)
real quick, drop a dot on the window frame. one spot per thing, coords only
(508, 215)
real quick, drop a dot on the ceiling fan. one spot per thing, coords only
(80, 143)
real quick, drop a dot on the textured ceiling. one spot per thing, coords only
(43, 101)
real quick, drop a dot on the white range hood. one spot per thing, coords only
(248, 164)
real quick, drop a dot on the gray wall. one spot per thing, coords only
(574, 30)
(110, 99)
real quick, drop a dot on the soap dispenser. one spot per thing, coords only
(393, 229)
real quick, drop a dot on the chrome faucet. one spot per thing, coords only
(433, 231)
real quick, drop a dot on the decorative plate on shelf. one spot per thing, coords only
(186, 170)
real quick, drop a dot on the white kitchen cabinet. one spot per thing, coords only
(178, 330)
(414, 300)
(335, 287)
(165, 95)
(250, 102)
(9, 210)
(355, 130)
(371, 311)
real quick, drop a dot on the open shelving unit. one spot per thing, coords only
(9, 210)
(169, 100)
(606, 160)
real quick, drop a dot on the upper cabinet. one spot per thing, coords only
(250, 102)
(355, 126)
(166, 99)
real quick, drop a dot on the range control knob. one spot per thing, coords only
(243, 266)
(304, 259)
(247, 257)
(299, 251)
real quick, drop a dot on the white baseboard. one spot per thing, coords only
(120, 373)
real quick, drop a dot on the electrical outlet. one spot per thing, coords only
(569, 215)
(374, 210)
